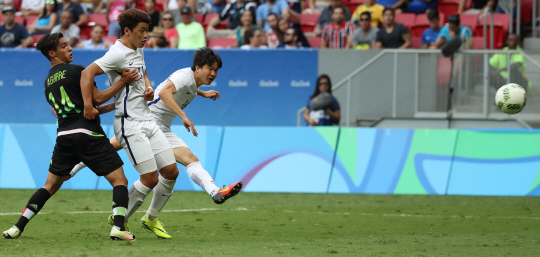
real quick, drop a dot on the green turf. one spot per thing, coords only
(256, 224)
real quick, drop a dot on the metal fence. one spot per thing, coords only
(415, 84)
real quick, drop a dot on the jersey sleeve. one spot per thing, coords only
(179, 81)
(111, 61)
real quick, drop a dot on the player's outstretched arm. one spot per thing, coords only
(212, 94)
(166, 95)
(105, 108)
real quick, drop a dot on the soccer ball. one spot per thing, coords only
(511, 98)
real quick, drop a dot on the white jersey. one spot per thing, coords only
(186, 90)
(129, 101)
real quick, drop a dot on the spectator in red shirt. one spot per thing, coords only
(337, 34)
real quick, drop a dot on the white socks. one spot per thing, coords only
(201, 177)
(77, 168)
(137, 193)
(162, 193)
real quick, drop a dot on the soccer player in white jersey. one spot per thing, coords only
(134, 126)
(173, 95)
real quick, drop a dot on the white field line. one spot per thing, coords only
(110, 211)
(417, 215)
(404, 215)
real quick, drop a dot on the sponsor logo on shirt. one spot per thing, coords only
(269, 83)
(300, 83)
(238, 83)
(24, 83)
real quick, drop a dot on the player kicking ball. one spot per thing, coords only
(78, 138)
(173, 95)
(134, 126)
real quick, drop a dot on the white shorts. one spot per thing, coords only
(143, 140)
(174, 140)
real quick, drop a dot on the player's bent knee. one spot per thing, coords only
(169, 172)
(150, 179)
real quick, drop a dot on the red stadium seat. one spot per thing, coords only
(478, 43)
(448, 7)
(221, 42)
(353, 4)
(199, 18)
(503, 19)
(314, 42)
(17, 4)
(31, 19)
(498, 31)
(406, 19)
(221, 25)
(470, 20)
(19, 19)
(526, 10)
(110, 39)
(308, 22)
(100, 19)
(37, 38)
(1, 19)
(416, 42)
(159, 5)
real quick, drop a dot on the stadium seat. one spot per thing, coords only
(470, 20)
(139, 4)
(314, 42)
(308, 22)
(503, 19)
(19, 19)
(159, 5)
(37, 38)
(406, 19)
(416, 42)
(221, 25)
(498, 31)
(526, 10)
(17, 4)
(199, 18)
(448, 7)
(100, 19)
(353, 4)
(1, 19)
(31, 19)
(478, 42)
(221, 42)
(110, 39)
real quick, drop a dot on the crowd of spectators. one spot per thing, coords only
(190, 24)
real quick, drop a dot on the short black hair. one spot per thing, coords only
(454, 19)
(339, 7)
(433, 14)
(130, 18)
(270, 14)
(389, 9)
(48, 43)
(205, 55)
(366, 13)
(247, 35)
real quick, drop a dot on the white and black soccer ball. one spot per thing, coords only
(511, 98)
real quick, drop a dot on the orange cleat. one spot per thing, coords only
(227, 192)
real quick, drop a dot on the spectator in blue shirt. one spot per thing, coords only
(431, 34)
(454, 29)
(77, 12)
(327, 116)
(13, 34)
(279, 7)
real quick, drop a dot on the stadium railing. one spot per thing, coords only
(414, 84)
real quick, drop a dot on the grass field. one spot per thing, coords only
(74, 223)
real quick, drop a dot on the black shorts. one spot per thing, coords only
(96, 152)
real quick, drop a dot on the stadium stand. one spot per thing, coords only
(406, 19)
(416, 42)
(221, 42)
(308, 22)
(31, 19)
(314, 42)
